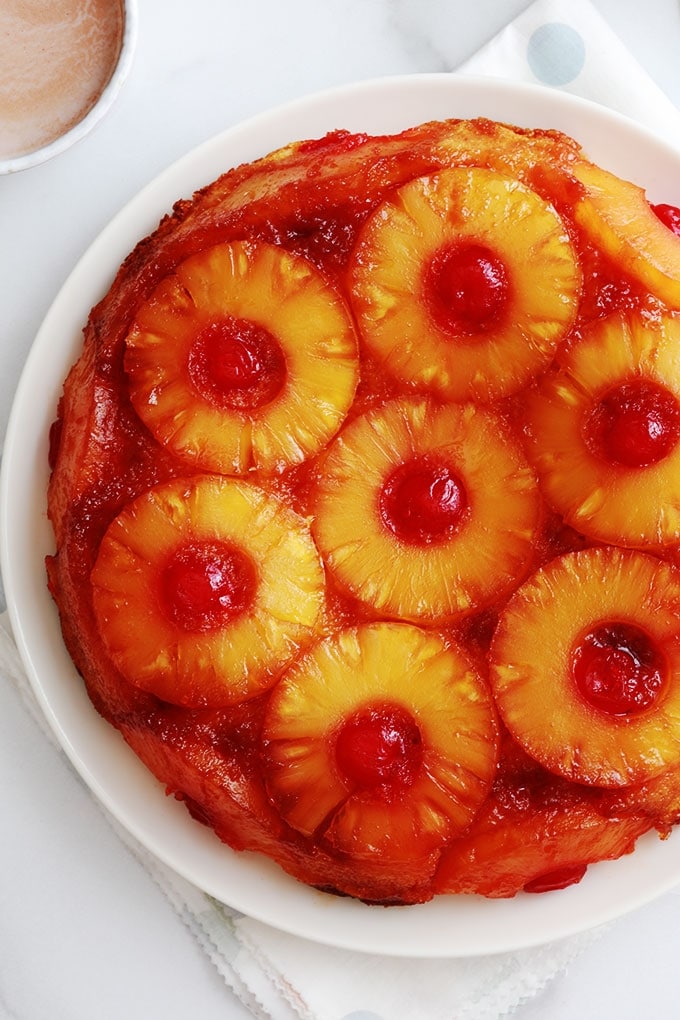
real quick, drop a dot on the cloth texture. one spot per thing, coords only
(567, 44)
(564, 44)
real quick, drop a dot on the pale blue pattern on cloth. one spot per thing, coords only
(562, 43)
(556, 53)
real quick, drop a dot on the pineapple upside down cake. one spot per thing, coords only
(366, 497)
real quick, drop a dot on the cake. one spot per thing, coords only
(364, 491)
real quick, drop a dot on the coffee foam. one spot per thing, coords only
(55, 61)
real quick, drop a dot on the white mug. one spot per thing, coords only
(64, 66)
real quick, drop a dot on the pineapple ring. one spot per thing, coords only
(143, 589)
(271, 324)
(618, 218)
(423, 678)
(523, 238)
(483, 554)
(608, 501)
(538, 680)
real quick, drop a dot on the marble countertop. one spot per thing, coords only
(84, 932)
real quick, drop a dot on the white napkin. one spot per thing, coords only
(566, 44)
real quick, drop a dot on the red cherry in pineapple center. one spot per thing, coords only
(423, 501)
(466, 288)
(635, 424)
(669, 216)
(205, 585)
(379, 747)
(618, 668)
(236, 363)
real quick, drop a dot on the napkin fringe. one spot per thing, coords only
(167, 883)
(164, 879)
(284, 987)
(233, 949)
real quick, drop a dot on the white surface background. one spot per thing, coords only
(84, 933)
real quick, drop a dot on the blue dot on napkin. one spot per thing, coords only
(556, 53)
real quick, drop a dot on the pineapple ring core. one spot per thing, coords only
(379, 748)
(634, 424)
(423, 501)
(528, 278)
(245, 358)
(466, 287)
(234, 363)
(147, 570)
(472, 560)
(381, 667)
(618, 668)
(607, 499)
(572, 601)
(204, 585)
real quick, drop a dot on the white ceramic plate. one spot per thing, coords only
(448, 926)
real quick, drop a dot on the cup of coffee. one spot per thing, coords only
(62, 64)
